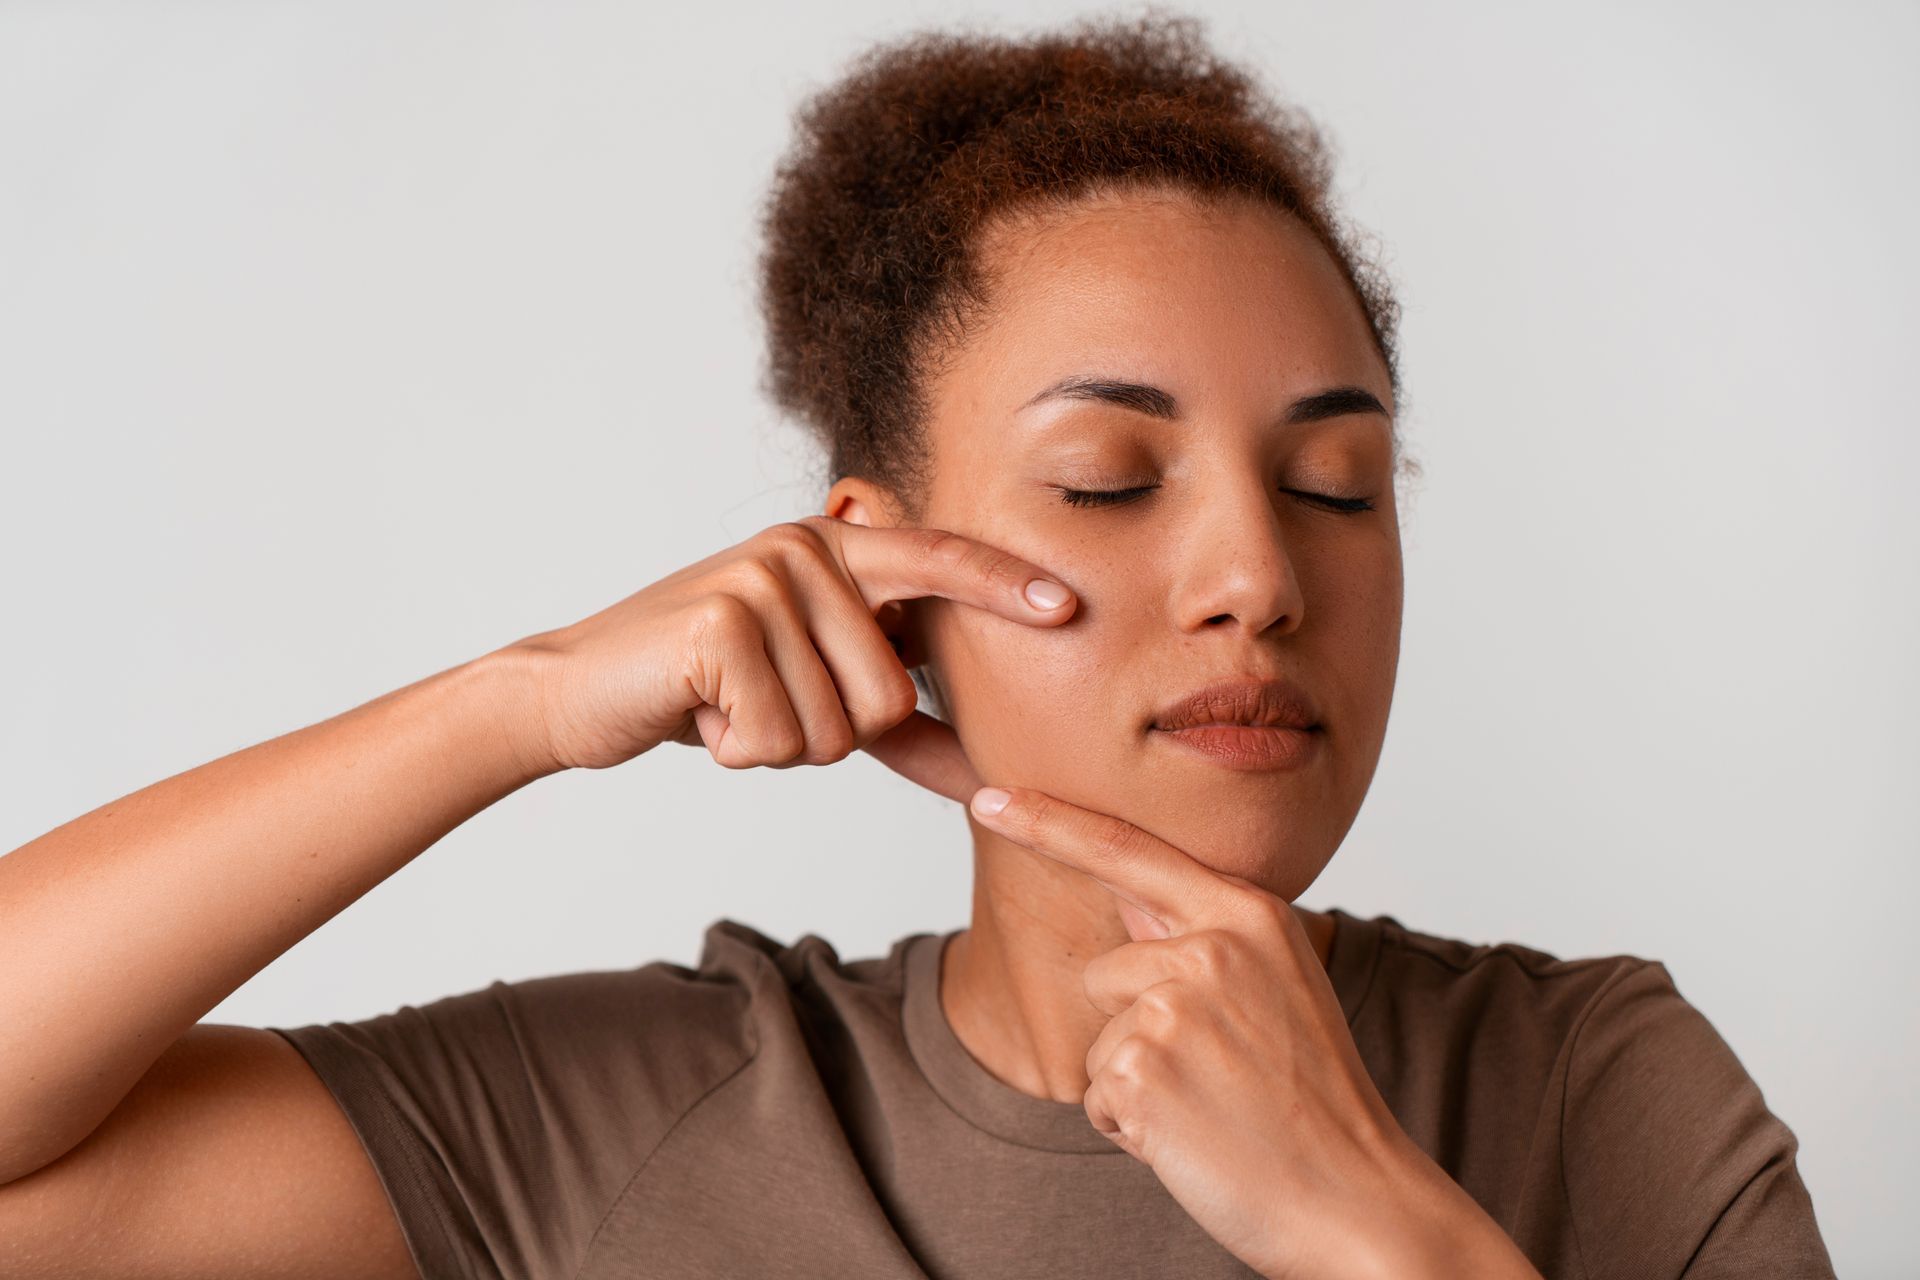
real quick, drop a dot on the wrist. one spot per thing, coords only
(507, 683)
(1447, 1234)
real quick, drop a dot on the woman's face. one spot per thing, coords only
(1224, 568)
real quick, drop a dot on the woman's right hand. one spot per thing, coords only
(771, 653)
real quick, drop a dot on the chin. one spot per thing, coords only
(1270, 843)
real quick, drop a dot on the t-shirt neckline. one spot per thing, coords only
(999, 1109)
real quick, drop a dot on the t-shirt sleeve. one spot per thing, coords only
(1674, 1166)
(504, 1122)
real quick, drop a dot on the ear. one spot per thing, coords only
(858, 500)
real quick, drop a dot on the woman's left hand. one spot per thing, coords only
(1228, 1069)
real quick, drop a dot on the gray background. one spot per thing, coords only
(344, 342)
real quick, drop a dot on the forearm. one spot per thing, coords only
(1437, 1231)
(1472, 1245)
(124, 927)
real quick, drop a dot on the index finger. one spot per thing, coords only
(1134, 865)
(891, 563)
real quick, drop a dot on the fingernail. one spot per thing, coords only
(990, 800)
(1043, 594)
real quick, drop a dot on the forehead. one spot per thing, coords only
(1232, 298)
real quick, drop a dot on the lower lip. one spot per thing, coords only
(1246, 746)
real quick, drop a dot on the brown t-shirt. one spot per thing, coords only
(781, 1112)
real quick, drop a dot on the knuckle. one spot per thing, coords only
(1095, 1102)
(885, 706)
(943, 551)
(1272, 914)
(939, 545)
(1211, 953)
(737, 761)
(1114, 843)
(1158, 1007)
(1131, 1061)
(830, 744)
(754, 578)
(785, 748)
(794, 537)
(899, 698)
(720, 617)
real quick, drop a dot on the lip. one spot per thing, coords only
(1244, 723)
(1244, 746)
(1246, 700)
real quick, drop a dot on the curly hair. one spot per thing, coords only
(872, 226)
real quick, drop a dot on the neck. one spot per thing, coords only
(1010, 983)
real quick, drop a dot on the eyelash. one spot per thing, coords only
(1115, 497)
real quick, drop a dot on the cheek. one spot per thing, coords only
(1032, 705)
(1361, 618)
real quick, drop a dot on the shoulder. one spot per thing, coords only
(1452, 990)
(654, 1036)
(1596, 1008)
(1451, 1028)
(1622, 1099)
(1670, 1156)
(504, 1121)
(1647, 1069)
(693, 1021)
(1507, 961)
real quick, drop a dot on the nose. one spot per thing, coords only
(1232, 568)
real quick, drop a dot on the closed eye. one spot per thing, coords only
(1101, 497)
(1115, 497)
(1350, 505)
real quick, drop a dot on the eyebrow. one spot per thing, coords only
(1159, 403)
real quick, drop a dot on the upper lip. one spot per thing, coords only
(1246, 700)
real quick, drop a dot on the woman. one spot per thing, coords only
(1110, 403)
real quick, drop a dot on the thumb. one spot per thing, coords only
(928, 752)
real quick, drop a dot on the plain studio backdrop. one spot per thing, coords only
(340, 343)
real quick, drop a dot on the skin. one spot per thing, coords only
(1237, 312)
(1133, 944)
